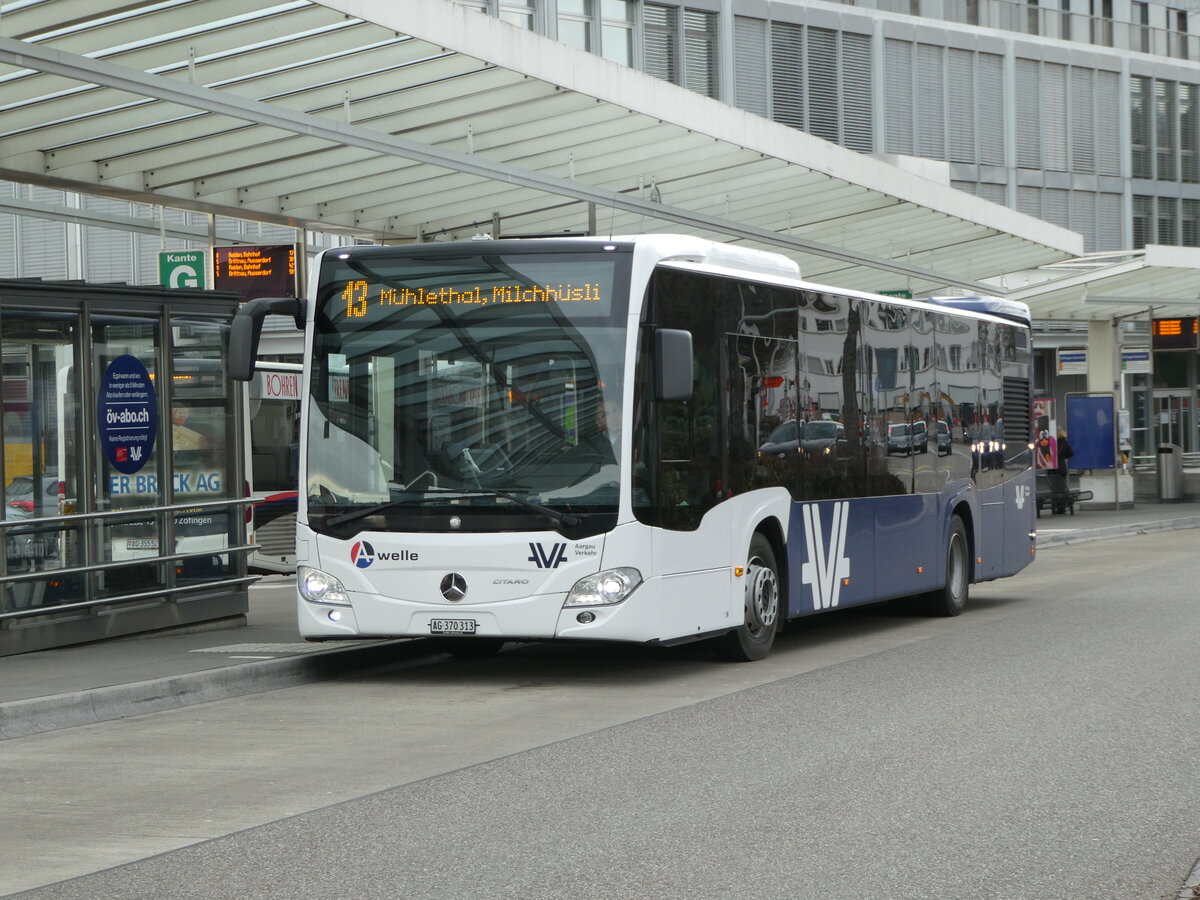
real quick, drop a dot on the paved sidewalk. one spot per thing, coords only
(96, 682)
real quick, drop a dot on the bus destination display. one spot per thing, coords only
(1175, 334)
(359, 299)
(256, 271)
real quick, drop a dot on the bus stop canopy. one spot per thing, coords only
(424, 120)
(1162, 279)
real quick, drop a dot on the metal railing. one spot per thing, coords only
(1149, 463)
(165, 526)
(1026, 18)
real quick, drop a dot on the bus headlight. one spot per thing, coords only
(320, 587)
(604, 588)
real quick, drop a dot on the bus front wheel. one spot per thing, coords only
(753, 639)
(950, 599)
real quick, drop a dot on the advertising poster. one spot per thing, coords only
(1045, 428)
(127, 414)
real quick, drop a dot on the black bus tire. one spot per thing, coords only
(950, 599)
(752, 640)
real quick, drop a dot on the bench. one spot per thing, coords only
(1053, 491)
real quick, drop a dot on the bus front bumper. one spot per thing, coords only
(536, 618)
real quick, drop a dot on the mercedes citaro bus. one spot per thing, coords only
(516, 440)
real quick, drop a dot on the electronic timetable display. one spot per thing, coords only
(1175, 334)
(268, 271)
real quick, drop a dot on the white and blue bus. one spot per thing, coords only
(656, 439)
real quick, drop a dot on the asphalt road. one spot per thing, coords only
(1042, 745)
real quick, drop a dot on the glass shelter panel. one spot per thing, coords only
(203, 444)
(123, 483)
(41, 428)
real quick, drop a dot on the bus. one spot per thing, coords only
(568, 439)
(272, 459)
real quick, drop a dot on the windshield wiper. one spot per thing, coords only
(559, 518)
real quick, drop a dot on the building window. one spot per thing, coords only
(1064, 21)
(821, 83)
(1166, 216)
(680, 46)
(1189, 223)
(1165, 112)
(616, 31)
(1189, 121)
(1141, 220)
(515, 12)
(599, 26)
(1141, 21)
(700, 52)
(1033, 21)
(575, 23)
(1179, 39)
(1142, 127)
(965, 12)
(787, 74)
(660, 24)
(1102, 24)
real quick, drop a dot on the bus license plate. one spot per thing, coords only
(452, 626)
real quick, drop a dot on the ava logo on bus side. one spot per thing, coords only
(827, 564)
(547, 559)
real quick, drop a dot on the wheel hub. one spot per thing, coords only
(762, 597)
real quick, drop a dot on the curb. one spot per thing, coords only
(36, 715)
(1108, 532)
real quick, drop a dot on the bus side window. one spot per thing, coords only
(676, 427)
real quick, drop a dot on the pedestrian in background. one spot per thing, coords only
(1064, 452)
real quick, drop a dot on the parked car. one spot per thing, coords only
(817, 439)
(823, 437)
(920, 436)
(783, 440)
(945, 440)
(25, 547)
(23, 501)
(899, 438)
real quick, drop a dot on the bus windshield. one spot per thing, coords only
(487, 384)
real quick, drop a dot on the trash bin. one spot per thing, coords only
(1170, 473)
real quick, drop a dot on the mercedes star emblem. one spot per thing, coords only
(454, 587)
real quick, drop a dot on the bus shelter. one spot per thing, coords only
(122, 486)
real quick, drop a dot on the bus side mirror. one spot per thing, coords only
(247, 328)
(673, 364)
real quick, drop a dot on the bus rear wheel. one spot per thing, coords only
(950, 599)
(752, 640)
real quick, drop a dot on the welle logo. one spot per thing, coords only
(547, 559)
(827, 561)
